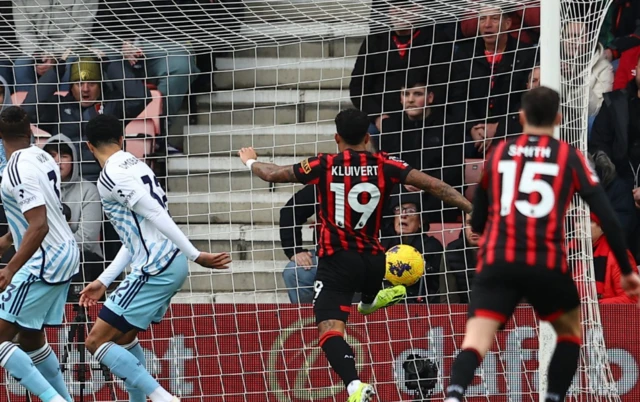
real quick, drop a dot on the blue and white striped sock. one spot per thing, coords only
(126, 367)
(48, 365)
(20, 366)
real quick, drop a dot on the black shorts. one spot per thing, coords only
(339, 277)
(497, 290)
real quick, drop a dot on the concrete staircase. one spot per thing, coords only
(280, 98)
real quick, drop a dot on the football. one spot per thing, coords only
(405, 265)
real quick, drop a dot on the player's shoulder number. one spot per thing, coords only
(531, 181)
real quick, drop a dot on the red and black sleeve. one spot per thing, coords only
(585, 178)
(396, 169)
(310, 170)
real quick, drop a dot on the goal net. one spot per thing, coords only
(447, 88)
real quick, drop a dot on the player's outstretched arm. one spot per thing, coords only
(438, 188)
(480, 210)
(93, 292)
(158, 216)
(267, 171)
(37, 230)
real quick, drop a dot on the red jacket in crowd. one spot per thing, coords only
(626, 68)
(608, 274)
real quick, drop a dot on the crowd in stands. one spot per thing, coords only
(442, 98)
(439, 97)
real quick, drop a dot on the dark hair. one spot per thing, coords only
(540, 106)
(352, 125)
(66, 211)
(14, 123)
(416, 78)
(58, 147)
(104, 129)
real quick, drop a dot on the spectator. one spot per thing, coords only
(513, 121)
(81, 196)
(91, 266)
(606, 269)
(300, 272)
(489, 74)
(618, 193)
(459, 263)
(616, 130)
(525, 25)
(151, 37)
(385, 58)
(420, 138)
(625, 28)
(410, 227)
(122, 96)
(46, 29)
(576, 45)
(626, 70)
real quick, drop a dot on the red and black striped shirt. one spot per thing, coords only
(527, 185)
(353, 188)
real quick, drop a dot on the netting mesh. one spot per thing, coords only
(579, 53)
(283, 70)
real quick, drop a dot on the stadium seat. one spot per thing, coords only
(472, 172)
(140, 133)
(445, 232)
(18, 98)
(153, 110)
(40, 136)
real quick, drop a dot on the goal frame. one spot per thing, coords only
(550, 76)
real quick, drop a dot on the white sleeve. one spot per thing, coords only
(26, 187)
(119, 263)
(124, 188)
(152, 211)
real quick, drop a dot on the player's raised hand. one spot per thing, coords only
(93, 292)
(214, 260)
(246, 154)
(631, 285)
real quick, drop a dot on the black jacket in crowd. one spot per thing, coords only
(621, 198)
(123, 96)
(610, 129)
(426, 145)
(293, 216)
(380, 70)
(461, 263)
(477, 93)
(431, 249)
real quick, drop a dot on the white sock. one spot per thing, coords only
(370, 304)
(160, 395)
(353, 387)
(452, 399)
(58, 398)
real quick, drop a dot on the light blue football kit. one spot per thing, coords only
(132, 197)
(38, 291)
(157, 253)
